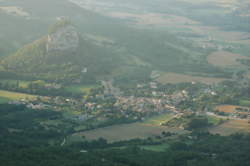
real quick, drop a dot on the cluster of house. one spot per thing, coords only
(151, 104)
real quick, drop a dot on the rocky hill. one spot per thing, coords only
(62, 55)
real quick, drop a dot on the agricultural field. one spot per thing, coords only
(159, 119)
(245, 103)
(175, 78)
(214, 120)
(21, 84)
(155, 148)
(228, 108)
(225, 59)
(128, 131)
(76, 89)
(231, 127)
(16, 96)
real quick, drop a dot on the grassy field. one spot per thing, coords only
(15, 95)
(156, 148)
(214, 120)
(180, 78)
(225, 59)
(22, 84)
(228, 108)
(231, 127)
(159, 119)
(80, 88)
(245, 103)
(127, 131)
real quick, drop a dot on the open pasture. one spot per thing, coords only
(80, 88)
(15, 95)
(127, 131)
(225, 59)
(174, 78)
(231, 127)
(228, 108)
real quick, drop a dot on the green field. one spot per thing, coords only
(127, 131)
(159, 119)
(15, 95)
(214, 120)
(155, 148)
(245, 103)
(80, 88)
(22, 84)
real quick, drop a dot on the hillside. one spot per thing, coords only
(62, 55)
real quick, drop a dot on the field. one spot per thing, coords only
(180, 78)
(231, 126)
(159, 119)
(21, 84)
(214, 120)
(127, 131)
(225, 59)
(16, 96)
(156, 148)
(80, 88)
(228, 108)
(245, 103)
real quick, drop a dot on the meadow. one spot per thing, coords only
(228, 108)
(174, 78)
(231, 126)
(158, 119)
(127, 131)
(76, 89)
(148, 128)
(225, 59)
(15, 95)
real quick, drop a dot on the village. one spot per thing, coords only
(112, 105)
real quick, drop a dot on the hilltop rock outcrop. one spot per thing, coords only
(65, 38)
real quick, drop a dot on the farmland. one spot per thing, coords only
(127, 132)
(158, 120)
(80, 88)
(228, 108)
(21, 84)
(180, 78)
(245, 102)
(156, 148)
(15, 95)
(225, 59)
(231, 126)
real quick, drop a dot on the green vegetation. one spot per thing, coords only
(155, 148)
(214, 120)
(60, 24)
(4, 100)
(15, 95)
(159, 119)
(80, 88)
(245, 103)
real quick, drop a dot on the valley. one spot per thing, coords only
(115, 83)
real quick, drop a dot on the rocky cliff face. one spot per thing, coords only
(65, 38)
